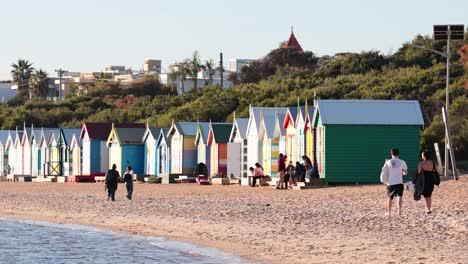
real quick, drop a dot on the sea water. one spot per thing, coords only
(43, 242)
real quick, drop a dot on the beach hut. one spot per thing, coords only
(18, 152)
(183, 149)
(269, 135)
(201, 141)
(75, 155)
(150, 141)
(65, 150)
(309, 132)
(26, 151)
(218, 139)
(254, 145)
(37, 153)
(163, 154)
(4, 134)
(43, 145)
(300, 134)
(54, 164)
(95, 153)
(237, 148)
(294, 146)
(126, 148)
(354, 137)
(11, 150)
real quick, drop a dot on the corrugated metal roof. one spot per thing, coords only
(205, 130)
(102, 130)
(370, 112)
(130, 135)
(68, 134)
(221, 132)
(257, 111)
(242, 124)
(188, 128)
(4, 136)
(269, 120)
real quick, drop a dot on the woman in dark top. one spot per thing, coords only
(128, 178)
(428, 169)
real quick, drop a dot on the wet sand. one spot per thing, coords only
(345, 224)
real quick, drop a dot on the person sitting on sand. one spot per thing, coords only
(428, 169)
(112, 181)
(258, 174)
(289, 176)
(300, 172)
(396, 169)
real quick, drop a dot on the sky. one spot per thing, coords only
(87, 35)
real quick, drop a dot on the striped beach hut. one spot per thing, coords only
(201, 141)
(254, 145)
(309, 132)
(66, 137)
(289, 123)
(4, 134)
(300, 134)
(75, 155)
(354, 137)
(183, 150)
(218, 139)
(126, 148)
(95, 153)
(270, 138)
(150, 141)
(163, 154)
(237, 148)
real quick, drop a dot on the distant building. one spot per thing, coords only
(235, 65)
(115, 69)
(152, 67)
(292, 43)
(6, 92)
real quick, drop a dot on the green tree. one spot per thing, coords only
(193, 66)
(38, 87)
(21, 72)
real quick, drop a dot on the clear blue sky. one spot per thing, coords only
(86, 35)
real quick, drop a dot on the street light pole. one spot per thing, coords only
(447, 101)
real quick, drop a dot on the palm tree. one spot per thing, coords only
(210, 70)
(179, 73)
(21, 73)
(193, 66)
(38, 84)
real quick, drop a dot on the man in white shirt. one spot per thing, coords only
(396, 169)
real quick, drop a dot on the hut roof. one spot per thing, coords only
(221, 132)
(4, 136)
(101, 130)
(370, 112)
(130, 135)
(68, 134)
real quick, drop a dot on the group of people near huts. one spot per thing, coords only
(422, 181)
(290, 174)
(112, 182)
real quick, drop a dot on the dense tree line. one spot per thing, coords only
(277, 79)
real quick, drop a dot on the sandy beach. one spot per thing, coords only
(345, 224)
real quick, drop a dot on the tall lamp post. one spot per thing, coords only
(446, 32)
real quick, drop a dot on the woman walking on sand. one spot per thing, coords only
(428, 173)
(128, 179)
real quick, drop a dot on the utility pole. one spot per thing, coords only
(221, 69)
(60, 72)
(447, 139)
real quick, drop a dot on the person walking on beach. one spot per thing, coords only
(112, 181)
(128, 179)
(281, 170)
(396, 168)
(428, 173)
(258, 174)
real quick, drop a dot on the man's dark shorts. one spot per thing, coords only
(395, 190)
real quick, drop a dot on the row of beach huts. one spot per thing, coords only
(348, 141)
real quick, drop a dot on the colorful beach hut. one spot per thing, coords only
(218, 139)
(254, 145)
(75, 155)
(37, 154)
(95, 153)
(309, 132)
(163, 154)
(65, 150)
(201, 141)
(11, 150)
(45, 157)
(270, 139)
(18, 168)
(127, 149)
(150, 141)
(4, 134)
(354, 137)
(183, 149)
(237, 148)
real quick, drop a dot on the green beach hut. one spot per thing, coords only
(354, 137)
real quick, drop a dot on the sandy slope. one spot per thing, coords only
(329, 225)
